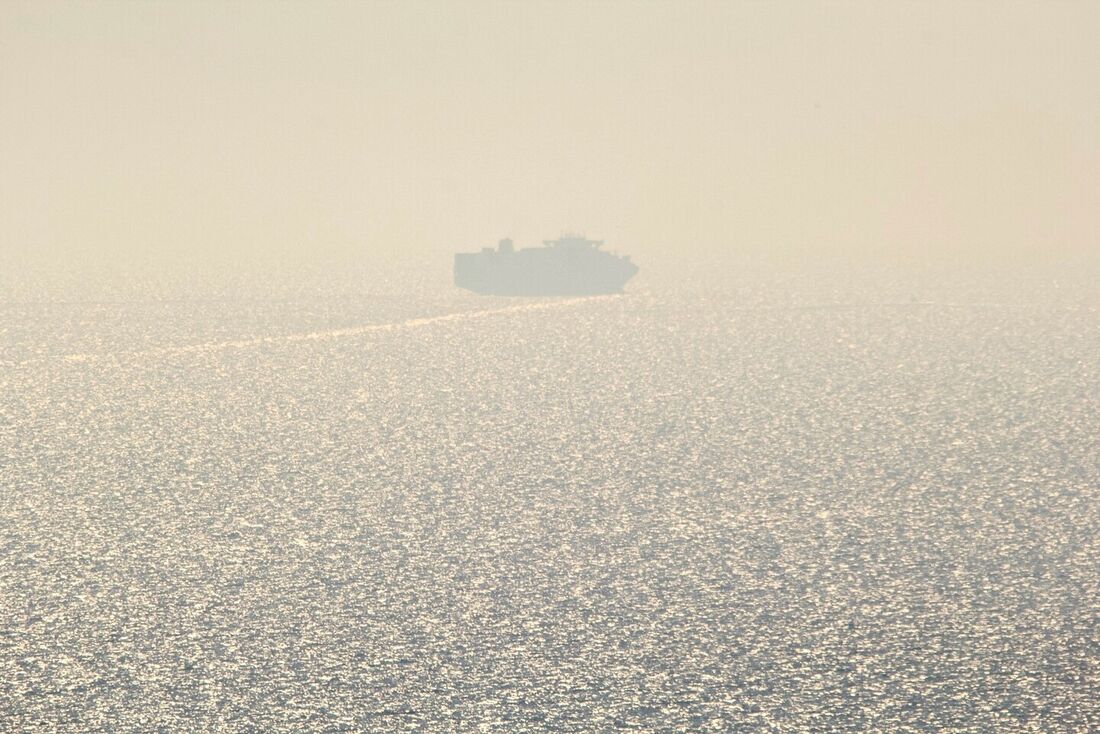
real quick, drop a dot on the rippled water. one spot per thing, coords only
(684, 508)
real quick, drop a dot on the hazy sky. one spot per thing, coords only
(195, 129)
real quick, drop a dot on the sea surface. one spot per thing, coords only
(783, 504)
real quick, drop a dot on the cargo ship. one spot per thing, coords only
(568, 266)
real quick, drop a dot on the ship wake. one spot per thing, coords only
(313, 336)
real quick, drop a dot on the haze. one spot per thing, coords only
(273, 459)
(168, 133)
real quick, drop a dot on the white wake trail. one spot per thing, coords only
(353, 331)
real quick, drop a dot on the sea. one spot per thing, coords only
(722, 501)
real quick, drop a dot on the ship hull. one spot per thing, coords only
(532, 273)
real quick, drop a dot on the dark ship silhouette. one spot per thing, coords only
(568, 266)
